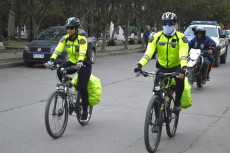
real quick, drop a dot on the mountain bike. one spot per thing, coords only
(63, 102)
(160, 110)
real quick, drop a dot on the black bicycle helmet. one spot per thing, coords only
(73, 21)
(169, 16)
(200, 30)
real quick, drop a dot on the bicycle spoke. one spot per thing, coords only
(56, 115)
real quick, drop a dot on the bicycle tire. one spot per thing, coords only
(190, 76)
(153, 125)
(56, 98)
(199, 81)
(171, 119)
(79, 111)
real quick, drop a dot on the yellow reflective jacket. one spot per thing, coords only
(76, 49)
(172, 51)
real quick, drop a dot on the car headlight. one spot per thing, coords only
(52, 50)
(27, 49)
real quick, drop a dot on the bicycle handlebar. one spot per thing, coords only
(145, 74)
(54, 67)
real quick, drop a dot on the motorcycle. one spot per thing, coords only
(195, 63)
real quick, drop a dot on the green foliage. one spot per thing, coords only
(96, 15)
(131, 41)
(111, 42)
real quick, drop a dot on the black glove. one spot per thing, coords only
(137, 68)
(52, 59)
(183, 70)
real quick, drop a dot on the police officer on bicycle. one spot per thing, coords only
(76, 47)
(172, 48)
(203, 42)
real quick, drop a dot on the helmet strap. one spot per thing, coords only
(75, 35)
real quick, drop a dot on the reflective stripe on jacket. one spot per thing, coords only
(171, 52)
(76, 49)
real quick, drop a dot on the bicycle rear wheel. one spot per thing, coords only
(56, 114)
(153, 125)
(79, 110)
(171, 119)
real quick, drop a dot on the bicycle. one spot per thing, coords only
(160, 110)
(62, 102)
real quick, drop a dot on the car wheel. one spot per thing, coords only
(216, 64)
(93, 56)
(224, 57)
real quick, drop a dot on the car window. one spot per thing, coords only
(51, 34)
(189, 32)
(229, 32)
(211, 32)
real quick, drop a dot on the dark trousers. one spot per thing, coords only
(146, 43)
(205, 67)
(212, 61)
(82, 83)
(179, 82)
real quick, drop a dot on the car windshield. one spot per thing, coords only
(211, 32)
(228, 32)
(51, 34)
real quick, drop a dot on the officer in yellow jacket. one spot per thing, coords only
(172, 48)
(76, 47)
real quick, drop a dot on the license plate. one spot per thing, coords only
(38, 55)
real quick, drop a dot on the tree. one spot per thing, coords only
(105, 10)
(38, 10)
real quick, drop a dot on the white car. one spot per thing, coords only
(228, 35)
(215, 31)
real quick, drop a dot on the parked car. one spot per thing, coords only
(40, 50)
(215, 31)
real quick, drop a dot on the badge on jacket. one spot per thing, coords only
(82, 41)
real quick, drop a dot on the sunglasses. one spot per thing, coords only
(167, 23)
(70, 27)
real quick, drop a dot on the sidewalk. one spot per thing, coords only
(15, 58)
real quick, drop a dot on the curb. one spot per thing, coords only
(17, 64)
(9, 65)
(119, 53)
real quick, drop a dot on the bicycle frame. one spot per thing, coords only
(64, 87)
(165, 94)
(163, 90)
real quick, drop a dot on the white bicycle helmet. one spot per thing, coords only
(169, 16)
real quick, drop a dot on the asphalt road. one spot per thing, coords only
(117, 124)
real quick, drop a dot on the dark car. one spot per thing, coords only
(40, 50)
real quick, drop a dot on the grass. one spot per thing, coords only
(13, 43)
(11, 50)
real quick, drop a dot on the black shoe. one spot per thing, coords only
(176, 109)
(203, 81)
(208, 78)
(84, 117)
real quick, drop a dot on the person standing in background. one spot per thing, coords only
(146, 35)
(154, 31)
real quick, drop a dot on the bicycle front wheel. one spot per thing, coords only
(171, 119)
(56, 114)
(153, 124)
